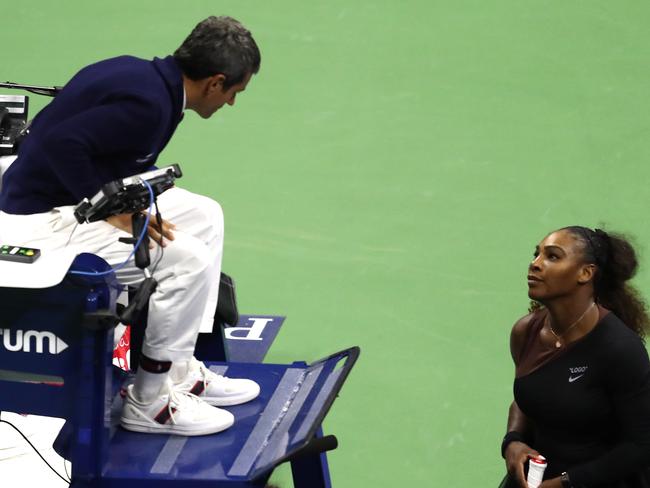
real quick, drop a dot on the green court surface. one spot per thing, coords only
(385, 179)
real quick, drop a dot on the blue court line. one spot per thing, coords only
(169, 454)
(175, 444)
(318, 404)
(258, 438)
(275, 440)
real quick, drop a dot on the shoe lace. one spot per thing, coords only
(206, 373)
(181, 399)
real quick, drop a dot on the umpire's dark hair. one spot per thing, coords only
(219, 45)
(616, 263)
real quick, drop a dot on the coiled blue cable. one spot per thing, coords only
(137, 244)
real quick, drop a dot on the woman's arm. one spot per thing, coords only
(516, 452)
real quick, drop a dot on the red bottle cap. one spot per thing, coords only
(541, 460)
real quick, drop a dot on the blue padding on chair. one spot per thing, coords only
(55, 346)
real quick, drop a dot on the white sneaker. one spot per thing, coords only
(173, 412)
(215, 389)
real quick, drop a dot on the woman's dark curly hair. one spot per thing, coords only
(616, 263)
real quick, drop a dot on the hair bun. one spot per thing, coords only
(621, 261)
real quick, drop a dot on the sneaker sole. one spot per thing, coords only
(230, 401)
(135, 426)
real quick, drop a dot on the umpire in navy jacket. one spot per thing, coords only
(111, 120)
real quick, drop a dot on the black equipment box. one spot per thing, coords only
(13, 122)
(127, 195)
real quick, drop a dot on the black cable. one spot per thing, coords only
(70, 238)
(35, 450)
(65, 467)
(159, 221)
(159, 256)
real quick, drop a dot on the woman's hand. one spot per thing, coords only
(123, 222)
(516, 454)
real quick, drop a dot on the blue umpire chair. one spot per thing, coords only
(57, 319)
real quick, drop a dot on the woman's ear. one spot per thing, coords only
(586, 274)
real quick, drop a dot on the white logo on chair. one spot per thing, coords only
(23, 341)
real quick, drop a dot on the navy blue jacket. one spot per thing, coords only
(111, 120)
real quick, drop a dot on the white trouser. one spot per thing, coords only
(188, 274)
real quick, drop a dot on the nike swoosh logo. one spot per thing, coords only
(574, 378)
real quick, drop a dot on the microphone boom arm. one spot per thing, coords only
(49, 91)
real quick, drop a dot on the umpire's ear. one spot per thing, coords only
(214, 82)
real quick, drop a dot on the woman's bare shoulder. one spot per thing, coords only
(518, 334)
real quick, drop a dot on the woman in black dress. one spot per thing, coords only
(582, 381)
